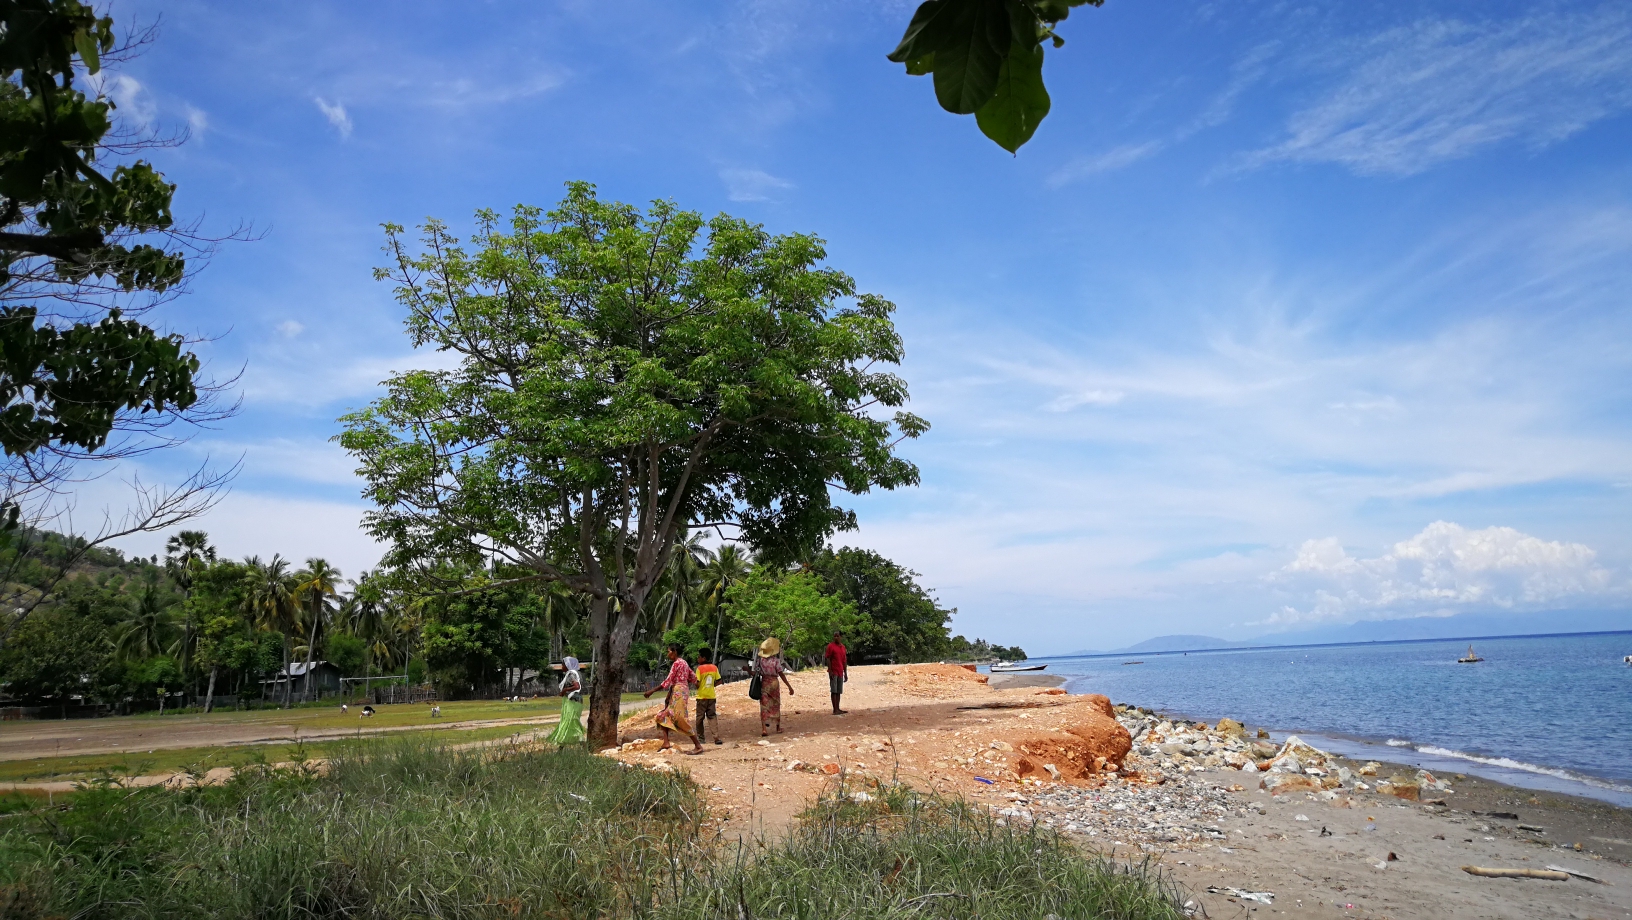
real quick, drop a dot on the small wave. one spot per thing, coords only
(1395, 742)
(1510, 764)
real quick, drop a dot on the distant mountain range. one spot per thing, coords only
(1457, 627)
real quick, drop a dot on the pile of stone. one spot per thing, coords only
(1294, 766)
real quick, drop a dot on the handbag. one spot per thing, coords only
(755, 688)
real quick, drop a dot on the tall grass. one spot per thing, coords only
(405, 829)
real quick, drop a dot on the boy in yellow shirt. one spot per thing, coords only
(707, 676)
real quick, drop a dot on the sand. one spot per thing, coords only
(910, 727)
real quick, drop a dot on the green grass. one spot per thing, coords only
(328, 716)
(201, 759)
(405, 829)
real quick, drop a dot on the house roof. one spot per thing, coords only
(298, 668)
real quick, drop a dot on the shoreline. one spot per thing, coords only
(1515, 774)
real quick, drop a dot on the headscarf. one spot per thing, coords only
(770, 647)
(570, 664)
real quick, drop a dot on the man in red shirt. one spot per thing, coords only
(838, 671)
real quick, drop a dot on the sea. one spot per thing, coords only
(1540, 712)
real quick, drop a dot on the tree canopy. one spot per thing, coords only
(65, 218)
(622, 375)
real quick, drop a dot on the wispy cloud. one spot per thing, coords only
(1109, 161)
(1068, 401)
(1439, 90)
(290, 328)
(752, 184)
(336, 114)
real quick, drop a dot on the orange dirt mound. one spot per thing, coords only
(1090, 743)
(1100, 702)
(936, 680)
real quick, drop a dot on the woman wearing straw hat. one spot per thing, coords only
(768, 667)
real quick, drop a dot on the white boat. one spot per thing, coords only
(1006, 668)
(1470, 659)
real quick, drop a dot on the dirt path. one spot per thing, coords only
(1331, 863)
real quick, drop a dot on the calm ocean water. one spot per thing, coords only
(1550, 712)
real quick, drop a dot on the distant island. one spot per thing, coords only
(1467, 625)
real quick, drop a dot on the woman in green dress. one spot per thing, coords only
(572, 705)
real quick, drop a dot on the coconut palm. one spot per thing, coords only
(728, 568)
(271, 603)
(185, 555)
(317, 596)
(683, 578)
(144, 632)
(371, 616)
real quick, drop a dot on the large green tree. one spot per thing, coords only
(904, 622)
(621, 375)
(792, 607)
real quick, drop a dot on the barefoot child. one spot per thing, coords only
(707, 676)
(673, 717)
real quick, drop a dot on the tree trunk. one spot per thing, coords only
(209, 695)
(288, 679)
(311, 645)
(606, 683)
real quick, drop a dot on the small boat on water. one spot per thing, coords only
(1470, 658)
(1004, 667)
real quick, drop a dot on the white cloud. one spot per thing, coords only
(1445, 569)
(198, 121)
(1109, 161)
(289, 328)
(1438, 90)
(336, 114)
(752, 184)
(130, 98)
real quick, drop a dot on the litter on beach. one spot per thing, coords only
(1583, 875)
(982, 779)
(1262, 897)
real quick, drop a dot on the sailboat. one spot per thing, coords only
(1471, 658)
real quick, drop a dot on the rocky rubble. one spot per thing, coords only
(1157, 801)
(1294, 766)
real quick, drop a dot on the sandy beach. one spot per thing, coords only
(1019, 748)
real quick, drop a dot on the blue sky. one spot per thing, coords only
(1290, 315)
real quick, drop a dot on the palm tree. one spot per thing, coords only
(562, 608)
(683, 578)
(317, 592)
(270, 602)
(729, 567)
(370, 616)
(143, 632)
(185, 555)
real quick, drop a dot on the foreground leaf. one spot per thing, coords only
(1021, 101)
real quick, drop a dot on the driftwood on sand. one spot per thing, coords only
(1547, 874)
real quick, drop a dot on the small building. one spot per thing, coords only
(324, 680)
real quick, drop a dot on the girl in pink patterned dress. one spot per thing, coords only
(678, 702)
